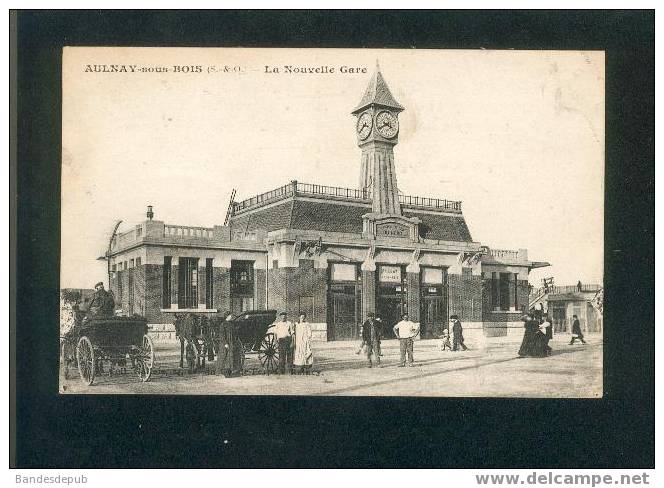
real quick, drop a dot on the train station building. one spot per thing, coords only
(336, 253)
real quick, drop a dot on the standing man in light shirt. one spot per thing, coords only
(405, 331)
(283, 330)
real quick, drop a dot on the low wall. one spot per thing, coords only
(319, 332)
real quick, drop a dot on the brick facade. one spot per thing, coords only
(260, 279)
(305, 289)
(413, 284)
(295, 289)
(368, 292)
(465, 297)
(153, 297)
(221, 291)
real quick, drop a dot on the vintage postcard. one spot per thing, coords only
(332, 222)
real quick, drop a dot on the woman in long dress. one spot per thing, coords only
(533, 344)
(303, 356)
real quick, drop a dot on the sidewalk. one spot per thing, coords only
(493, 369)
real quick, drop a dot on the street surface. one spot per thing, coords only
(491, 369)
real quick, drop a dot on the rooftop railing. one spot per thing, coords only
(187, 231)
(333, 191)
(430, 202)
(297, 188)
(584, 288)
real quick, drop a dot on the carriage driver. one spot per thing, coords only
(102, 304)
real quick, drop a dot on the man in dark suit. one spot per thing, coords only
(371, 331)
(457, 331)
(576, 331)
(102, 304)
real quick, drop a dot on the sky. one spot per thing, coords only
(518, 136)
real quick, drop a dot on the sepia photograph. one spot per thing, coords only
(351, 240)
(346, 222)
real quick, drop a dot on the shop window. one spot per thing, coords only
(241, 304)
(433, 276)
(242, 279)
(343, 272)
(166, 283)
(188, 283)
(504, 291)
(209, 284)
(130, 293)
(495, 303)
(516, 291)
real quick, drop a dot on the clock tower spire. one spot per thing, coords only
(377, 131)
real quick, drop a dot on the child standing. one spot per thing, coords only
(445, 340)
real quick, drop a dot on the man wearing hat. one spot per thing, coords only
(102, 304)
(283, 330)
(457, 331)
(371, 331)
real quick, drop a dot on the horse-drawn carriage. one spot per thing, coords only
(112, 342)
(200, 338)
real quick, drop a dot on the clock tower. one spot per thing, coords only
(377, 130)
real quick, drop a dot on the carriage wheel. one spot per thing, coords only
(145, 360)
(268, 354)
(85, 358)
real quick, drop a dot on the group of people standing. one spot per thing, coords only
(405, 331)
(537, 335)
(372, 335)
(539, 331)
(294, 344)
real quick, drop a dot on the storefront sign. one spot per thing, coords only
(392, 230)
(389, 274)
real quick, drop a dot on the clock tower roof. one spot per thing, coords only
(378, 93)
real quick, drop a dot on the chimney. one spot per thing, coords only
(150, 213)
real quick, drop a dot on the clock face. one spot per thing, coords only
(364, 125)
(387, 124)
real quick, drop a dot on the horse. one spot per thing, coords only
(197, 337)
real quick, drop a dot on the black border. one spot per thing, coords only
(168, 432)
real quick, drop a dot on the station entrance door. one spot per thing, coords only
(344, 300)
(434, 309)
(391, 297)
